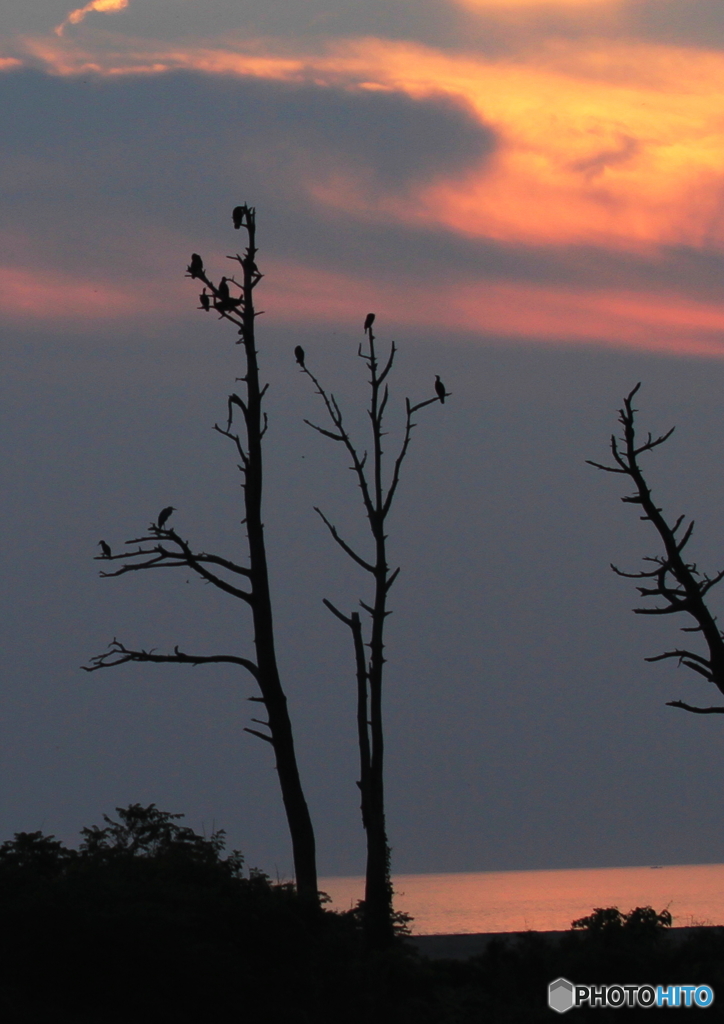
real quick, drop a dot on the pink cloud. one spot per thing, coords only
(556, 315)
(42, 296)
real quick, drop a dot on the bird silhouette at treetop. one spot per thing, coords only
(299, 354)
(369, 320)
(204, 300)
(237, 215)
(196, 266)
(440, 389)
(164, 516)
(105, 549)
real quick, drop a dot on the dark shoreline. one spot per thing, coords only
(462, 947)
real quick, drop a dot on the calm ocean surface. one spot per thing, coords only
(511, 901)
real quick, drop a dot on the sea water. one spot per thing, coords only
(511, 901)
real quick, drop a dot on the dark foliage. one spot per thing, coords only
(508, 983)
(149, 922)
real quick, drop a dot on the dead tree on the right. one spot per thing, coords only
(679, 584)
(377, 498)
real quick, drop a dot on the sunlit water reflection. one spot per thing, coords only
(510, 901)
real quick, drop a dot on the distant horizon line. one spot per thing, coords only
(530, 871)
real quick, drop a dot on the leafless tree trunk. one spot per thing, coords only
(680, 584)
(377, 499)
(163, 547)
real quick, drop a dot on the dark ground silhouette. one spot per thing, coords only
(149, 922)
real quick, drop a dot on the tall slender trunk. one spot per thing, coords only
(273, 696)
(378, 907)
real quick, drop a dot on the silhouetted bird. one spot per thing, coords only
(164, 515)
(440, 389)
(204, 300)
(369, 320)
(223, 290)
(299, 353)
(105, 549)
(237, 215)
(196, 266)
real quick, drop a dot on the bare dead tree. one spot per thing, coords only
(680, 584)
(377, 498)
(162, 547)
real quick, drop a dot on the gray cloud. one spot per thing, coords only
(83, 158)
(681, 22)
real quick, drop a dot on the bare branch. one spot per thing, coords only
(161, 557)
(388, 364)
(335, 611)
(243, 455)
(678, 582)
(391, 579)
(696, 711)
(327, 433)
(345, 547)
(224, 562)
(118, 654)
(261, 735)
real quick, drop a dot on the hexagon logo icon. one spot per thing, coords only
(560, 995)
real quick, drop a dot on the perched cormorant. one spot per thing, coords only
(196, 266)
(204, 300)
(369, 320)
(164, 515)
(223, 290)
(237, 215)
(440, 389)
(105, 549)
(299, 353)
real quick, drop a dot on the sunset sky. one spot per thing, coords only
(530, 197)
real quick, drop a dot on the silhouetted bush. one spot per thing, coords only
(147, 921)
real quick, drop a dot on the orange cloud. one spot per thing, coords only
(613, 143)
(45, 296)
(104, 6)
(69, 58)
(619, 144)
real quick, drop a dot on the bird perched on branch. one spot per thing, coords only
(224, 302)
(440, 389)
(196, 266)
(299, 354)
(105, 549)
(204, 300)
(369, 320)
(237, 215)
(164, 515)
